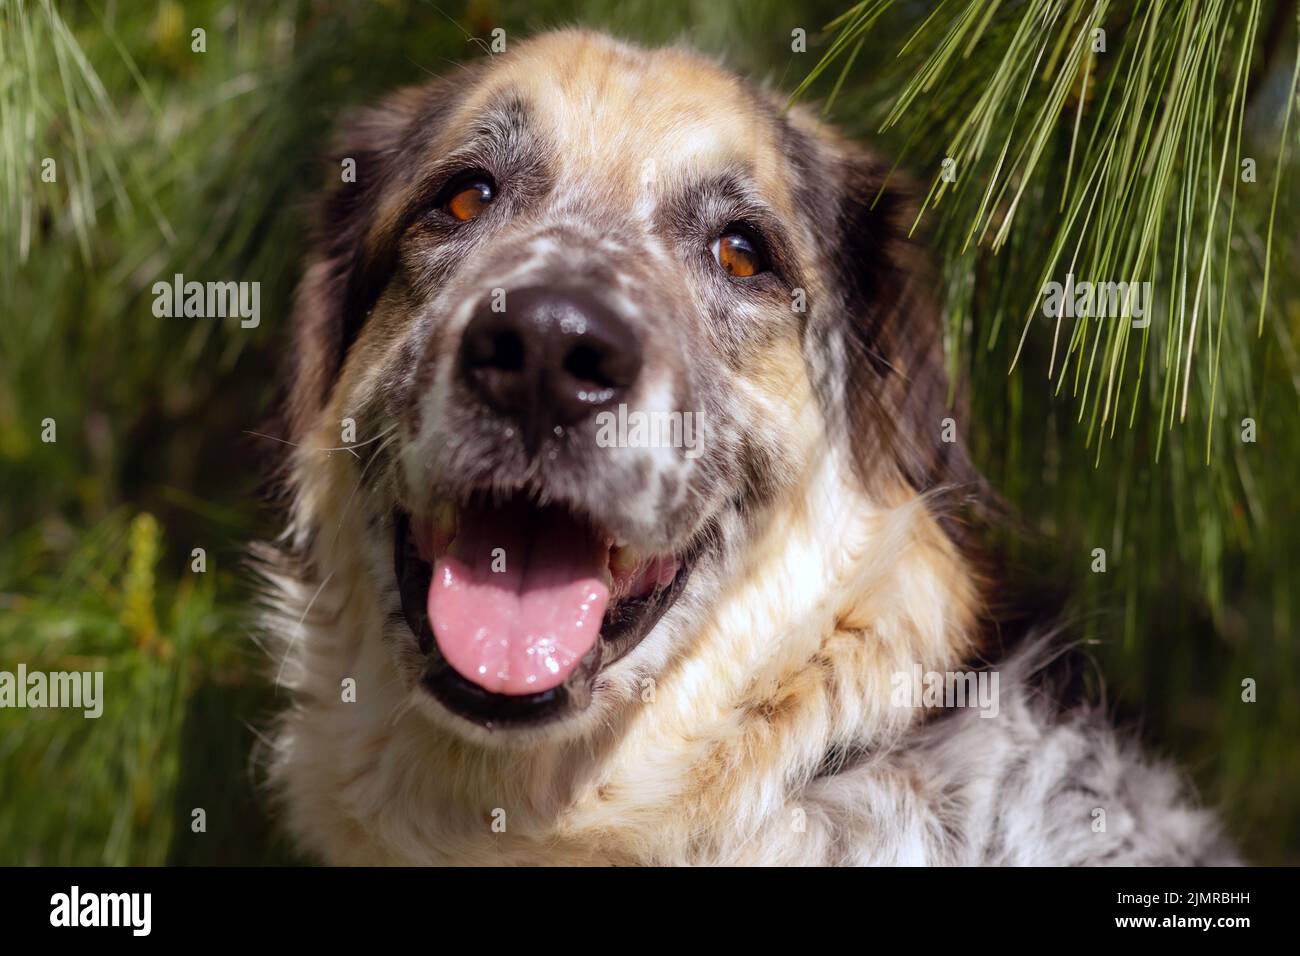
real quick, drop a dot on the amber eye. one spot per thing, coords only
(738, 254)
(469, 198)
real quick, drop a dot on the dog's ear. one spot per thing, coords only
(903, 408)
(897, 396)
(378, 151)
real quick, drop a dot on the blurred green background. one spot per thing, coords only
(1122, 160)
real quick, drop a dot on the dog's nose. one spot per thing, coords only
(549, 358)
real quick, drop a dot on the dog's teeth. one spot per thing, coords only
(444, 522)
(445, 518)
(623, 558)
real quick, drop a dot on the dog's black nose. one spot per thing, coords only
(549, 358)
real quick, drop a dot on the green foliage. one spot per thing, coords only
(1118, 165)
(98, 791)
(1125, 164)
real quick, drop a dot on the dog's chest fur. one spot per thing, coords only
(774, 742)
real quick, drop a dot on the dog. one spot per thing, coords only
(522, 624)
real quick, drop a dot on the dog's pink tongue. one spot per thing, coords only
(518, 600)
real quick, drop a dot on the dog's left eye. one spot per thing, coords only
(468, 198)
(738, 254)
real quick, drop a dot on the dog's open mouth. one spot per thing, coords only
(518, 606)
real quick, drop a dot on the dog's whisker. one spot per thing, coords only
(348, 448)
(293, 639)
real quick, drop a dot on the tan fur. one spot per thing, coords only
(651, 106)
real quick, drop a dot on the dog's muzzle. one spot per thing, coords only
(519, 598)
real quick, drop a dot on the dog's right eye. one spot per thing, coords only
(738, 253)
(469, 196)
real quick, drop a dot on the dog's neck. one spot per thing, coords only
(835, 595)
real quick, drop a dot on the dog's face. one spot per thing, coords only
(592, 310)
